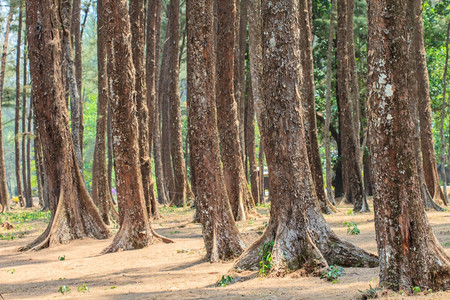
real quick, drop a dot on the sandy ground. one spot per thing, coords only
(179, 271)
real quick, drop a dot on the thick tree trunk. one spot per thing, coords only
(351, 165)
(424, 108)
(176, 141)
(135, 230)
(227, 115)
(4, 197)
(74, 215)
(75, 100)
(301, 238)
(327, 142)
(220, 233)
(410, 254)
(100, 185)
(137, 18)
(309, 106)
(17, 118)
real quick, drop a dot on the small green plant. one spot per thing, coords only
(64, 289)
(12, 271)
(416, 290)
(370, 293)
(61, 258)
(225, 280)
(265, 264)
(352, 228)
(333, 273)
(447, 244)
(350, 212)
(113, 287)
(82, 288)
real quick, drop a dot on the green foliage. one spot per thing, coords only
(350, 213)
(416, 290)
(64, 289)
(82, 288)
(224, 281)
(370, 293)
(333, 273)
(12, 271)
(265, 264)
(352, 228)
(61, 258)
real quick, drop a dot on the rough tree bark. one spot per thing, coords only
(301, 238)
(17, 117)
(309, 105)
(75, 110)
(137, 19)
(135, 230)
(100, 185)
(328, 173)
(424, 108)
(444, 104)
(176, 141)
(74, 215)
(239, 195)
(242, 40)
(410, 254)
(220, 233)
(4, 197)
(351, 164)
(250, 145)
(25, 137)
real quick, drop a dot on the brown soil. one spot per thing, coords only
(179, 271)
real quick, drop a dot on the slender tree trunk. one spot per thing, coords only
(74, 215)
(135, 230)
(4, 197)
(65, 19)
(351, 165)
(309, 106)
(250, 146)
(410, 254)
(300, 235)
(176, 141)
(75, 29)
(424, 108)
(220, 233)
(328, 173)
(101, 193)
(110, 145)
(241, 77)
(17, 118)
(227, 114)
(27, 182)
(25, 136)
(444, 93)
(41, 174)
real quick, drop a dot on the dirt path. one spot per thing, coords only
(177, 271)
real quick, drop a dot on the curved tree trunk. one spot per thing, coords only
(220, 233)
(301, 238)
(410, 254)
(309, 105)
(135, 230)
(351, 165)
(227, 117)
(4, 197)
(100, 185)
(74, 215)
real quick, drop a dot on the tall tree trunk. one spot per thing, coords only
(76, 34)
(152, 64)
(41, 174)
(444, 104)
(220, 233)
(25, 137)
(351, 165)
(4, 197)
(300, 235)
(424, 108)
(309, 105)
(110, 144)
(137, 18)
(74, 215)
(176, 140)
(101, 193)
(27, 182)
(328, 173)
(17, 118)
(227, 115)
(410, 254)
(250, 145)
(241, 76)
(75, 110)
(135, 230)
